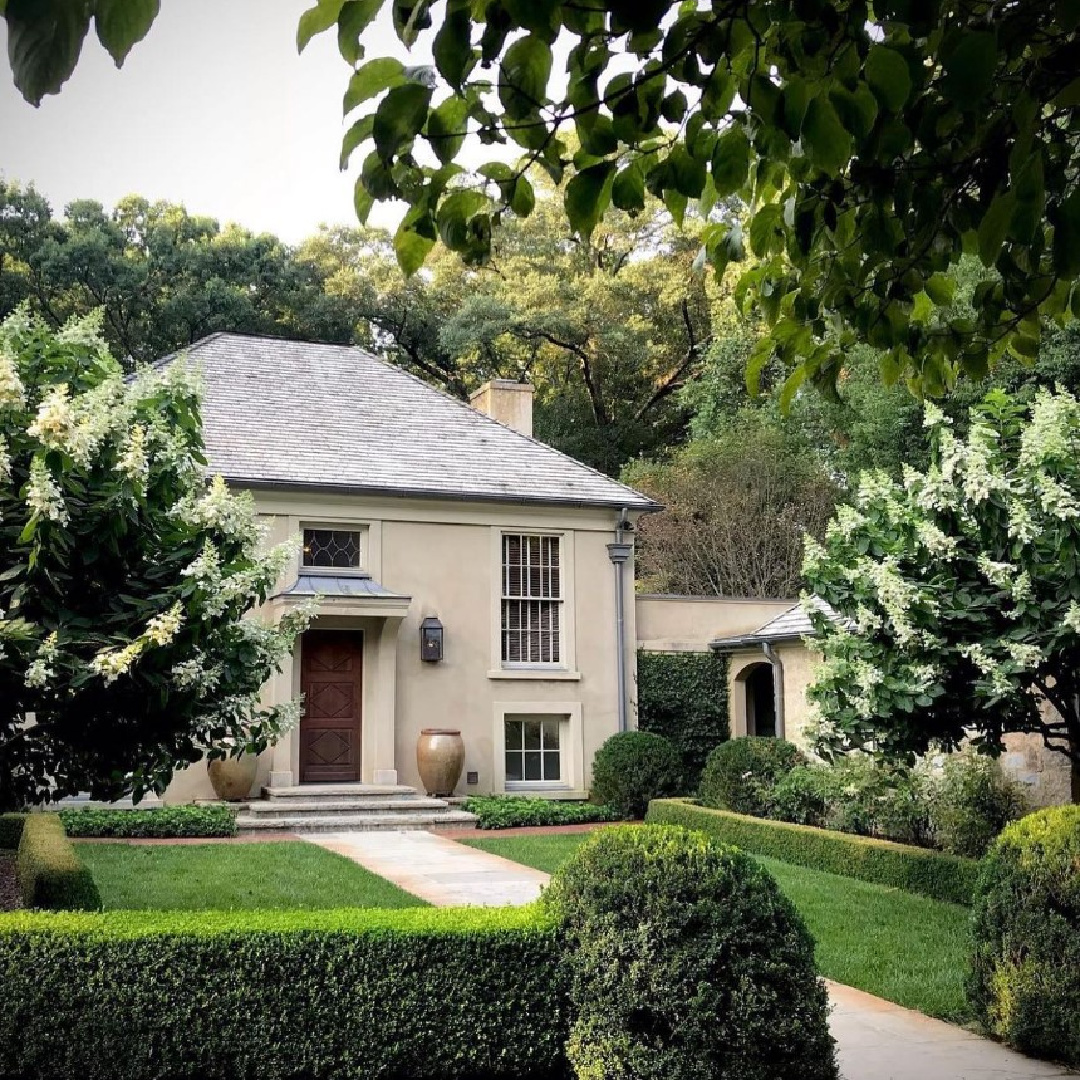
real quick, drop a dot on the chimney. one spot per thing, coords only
(507, 401)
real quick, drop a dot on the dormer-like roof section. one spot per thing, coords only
(295, 415)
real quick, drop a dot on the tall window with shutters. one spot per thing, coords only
(531, 600)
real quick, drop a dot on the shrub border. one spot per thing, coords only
(917, 870)
(49, 871)
(160, 822)
(11, 829)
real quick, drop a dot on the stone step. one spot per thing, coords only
(332, 805)
(428, 820)
(344, 791)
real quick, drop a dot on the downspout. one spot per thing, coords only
(777, 684)
(619, 553)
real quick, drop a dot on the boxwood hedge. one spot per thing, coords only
(514, 811)
(160, 822)
(11, 827)
(422, 993)
(49, 871)
(917, 870)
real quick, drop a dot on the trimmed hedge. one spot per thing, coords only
(513, 811)
(160, 822)
(1025, 981)
(11, 827)
(684, 697)
(632, 768)
(49, 871)
(686, 962)
(741, 775)
(419, 993)
(918, 870)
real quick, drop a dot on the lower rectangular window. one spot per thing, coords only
(533, 751)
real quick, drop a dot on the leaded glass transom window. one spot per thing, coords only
(531, 599)
(533, 753)
(337, 549)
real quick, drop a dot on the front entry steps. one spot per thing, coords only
(342, 807)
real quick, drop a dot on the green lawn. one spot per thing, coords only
(198, 877)
(899, 946)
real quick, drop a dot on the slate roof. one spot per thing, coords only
(791, 625)
(292, 415)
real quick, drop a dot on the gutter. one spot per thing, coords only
(620, 553)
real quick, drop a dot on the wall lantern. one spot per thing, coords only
(431, 640)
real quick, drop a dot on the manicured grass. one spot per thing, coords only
(232, 877)
(899, 946)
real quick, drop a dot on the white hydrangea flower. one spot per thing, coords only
(1024, 656)
(999, 574)
(133, 462)
(12, 391)
(1021, 524)
(933, 416)
(55, 419)
(161, 629)
(1056, 499)
(110, 664)
(1072, 617)
(41, 670)
(43, 495)
(5, 461)
(1051, 431)
(195, 674)
(935, 541)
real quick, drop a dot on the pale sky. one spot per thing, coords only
(214, 109)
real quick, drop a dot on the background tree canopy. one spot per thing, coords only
(872, 147)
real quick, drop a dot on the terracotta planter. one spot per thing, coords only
(440, 755)
(233, 778)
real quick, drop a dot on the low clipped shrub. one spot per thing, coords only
(631, 769)
(423, 993)
(48, 869)
(159, 823)
(11, 827)
(914, 869)
(970, 803)
(741, 774)
(684, 697)
(803, 795)
(513, 811)
(1025, 982)
(685, 961)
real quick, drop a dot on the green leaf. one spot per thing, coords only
(454, 214)
(970, 68)
(363, 201)
(373, 78)
(828, 145)
(731, 161)
(1024, 346)
(446, 128)
(857, 109)
(765, 229)
(399, 117)
(120, 24)
(523, 198)
(676, 202)
(358, 133)
(45, 38)
(888, 76)
(452, 48)
(940, 288)
(687, 173)
(523, 76)
(673, 107)
(628, 189)
(411, 248)
(1067, 237)
(356, 16)
(587, 195)
(994, 226)
(315, 20)
(791, 388)
(759, 359)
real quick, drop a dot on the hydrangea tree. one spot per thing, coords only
(125, 578)
(959, 589)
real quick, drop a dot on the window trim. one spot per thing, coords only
(363, 532)
(566, 668)
(563, 724)
(571, 747)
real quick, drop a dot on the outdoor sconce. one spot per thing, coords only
(431, 640)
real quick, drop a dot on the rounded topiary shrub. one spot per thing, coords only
(740, 775)
(1025, 981)
(685, 962)
(632, 768)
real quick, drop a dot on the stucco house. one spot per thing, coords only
(416, 511)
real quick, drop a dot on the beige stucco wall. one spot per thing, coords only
(689, 623)
(445, 555)
(796, 664)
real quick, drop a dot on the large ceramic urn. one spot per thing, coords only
(440, 755)
(232, 778)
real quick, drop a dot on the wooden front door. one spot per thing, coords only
(331, 663)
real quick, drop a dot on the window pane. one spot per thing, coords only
(513, 766)
(551, 765)
(531, 599)
(513, 734)
(532, 735)
(333, 548)
(551, 734)
(532, 765)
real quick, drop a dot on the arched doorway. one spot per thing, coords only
(760, 700)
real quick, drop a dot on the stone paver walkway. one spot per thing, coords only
(875, 1039)
(438, 870)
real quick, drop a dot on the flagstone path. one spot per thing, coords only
(875, 1039)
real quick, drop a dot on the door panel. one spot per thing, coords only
(331, 678)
